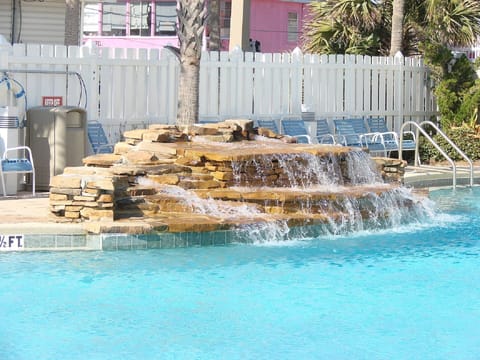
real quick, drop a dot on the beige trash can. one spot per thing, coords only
(58, 138)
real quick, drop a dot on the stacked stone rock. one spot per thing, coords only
(126, 184)
(107, 186)
(392, 170)
(85, 194)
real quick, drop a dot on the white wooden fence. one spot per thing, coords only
(472, 52)
(128, 88)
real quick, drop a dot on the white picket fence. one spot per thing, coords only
(129, 88)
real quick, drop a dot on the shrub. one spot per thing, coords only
(467, 138)
(457, 88)
(469, 108)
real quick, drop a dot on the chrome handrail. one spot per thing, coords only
(419, 128)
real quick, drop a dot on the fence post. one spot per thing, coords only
(398, 59)
(296, 86)
(5, 50)
(88, 68)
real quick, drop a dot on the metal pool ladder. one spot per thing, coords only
(420, 129)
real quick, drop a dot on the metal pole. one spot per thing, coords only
(54, 72)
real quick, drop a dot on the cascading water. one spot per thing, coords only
(300, 170)
(361, 169)
(344, 213)
(202, 206)
(277, 196)
(388, 209)
(306, 170)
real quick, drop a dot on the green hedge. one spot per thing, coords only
(465, 137)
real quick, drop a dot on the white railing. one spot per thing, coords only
(128, 88)
(419, 129)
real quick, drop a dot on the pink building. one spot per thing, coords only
(275, 25)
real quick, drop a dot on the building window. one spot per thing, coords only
(166, 18)
(129, 18)
(225, 16)
(140, 18)
(91, 19)
(292, 31)
(113, 19)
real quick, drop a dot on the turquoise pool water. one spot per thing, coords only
(408, 293)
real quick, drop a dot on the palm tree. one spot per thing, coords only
(72, 22)
(453, 22)
(191, 19)
(345, 26)
(397, 26)
(375, 27)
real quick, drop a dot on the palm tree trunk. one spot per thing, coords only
(72, 22)
(396, 40)
(214, 25)
(188, 103)
(191, 18)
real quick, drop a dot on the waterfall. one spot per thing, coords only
(278, 196)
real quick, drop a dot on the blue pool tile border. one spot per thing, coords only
(61, 242)
(165, 240)
(115, 242)
(160, 240)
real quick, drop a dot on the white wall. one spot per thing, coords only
(6, 19)
(37, 22)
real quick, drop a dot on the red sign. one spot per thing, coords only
(52, 101)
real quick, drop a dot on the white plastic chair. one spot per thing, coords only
(17, 166)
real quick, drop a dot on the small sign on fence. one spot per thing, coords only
(52, 101)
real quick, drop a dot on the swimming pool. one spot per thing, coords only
(407, 293)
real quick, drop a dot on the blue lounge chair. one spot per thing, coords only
(268, 124)
(345, 128)
(390, 138)
(296, 129)
(356, 134)
(325, 136)
(98, 139)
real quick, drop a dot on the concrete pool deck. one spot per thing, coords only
(439, 176)
(29, 216)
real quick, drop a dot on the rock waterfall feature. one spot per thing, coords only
(232, 176)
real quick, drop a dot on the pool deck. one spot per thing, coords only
(27, 215)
